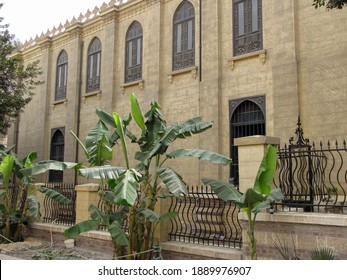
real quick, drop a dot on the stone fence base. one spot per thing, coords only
(101, 242)
(303, 232)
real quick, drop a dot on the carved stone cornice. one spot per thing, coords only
(110, 16)
(75, 31)
(132, 10)
(45, 44)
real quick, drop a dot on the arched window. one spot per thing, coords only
(247, 119)
(57, 153)
(61, 76)
(247, 21)
(133, 53)
(183, 36)
(94, 66)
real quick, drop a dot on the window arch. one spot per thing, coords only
(61, 76)
(133, 52)
(183, 36)
(57, 153)
(94, 65)
(247, 119)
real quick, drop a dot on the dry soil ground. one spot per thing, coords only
(33, 249)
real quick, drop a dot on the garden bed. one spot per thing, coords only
(35, 249)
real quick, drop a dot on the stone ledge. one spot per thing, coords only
(87, 187)
(301, 218)
(212, 252)
(96, 234)
(256, 140)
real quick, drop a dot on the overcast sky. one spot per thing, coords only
(28, 18)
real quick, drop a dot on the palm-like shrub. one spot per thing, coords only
(136, 189)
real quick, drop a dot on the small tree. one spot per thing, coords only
(17, 206)
(136, 189)
(255, 199)
(17, 81)
(330, 4)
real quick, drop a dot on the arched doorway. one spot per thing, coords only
(57, 153)
(247, 118)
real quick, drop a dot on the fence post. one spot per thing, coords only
(251, 151)
(86, 195)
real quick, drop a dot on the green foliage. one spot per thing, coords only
(17, 82)
(289, 253)
(17, 206)
(255, 199)
(134, 190)
(323, 254)
(330, 4)
(284, 249)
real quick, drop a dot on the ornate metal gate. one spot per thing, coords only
(312, 178)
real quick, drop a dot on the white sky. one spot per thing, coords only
(28, 18)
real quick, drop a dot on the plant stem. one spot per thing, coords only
(252, 242)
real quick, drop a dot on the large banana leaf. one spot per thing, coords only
(126, 190)
(154, 217)
(56, 196)
(100, 152)
(275, 196)
(77, 229)
(106, 118)
(96, 134)
(193, 126)
(224, 191)
(136, 112)
(266, 171)
(150, 215)
(118, 121)
(118, 234)
(200, 154)
(250, 200)
(102, 172)
(6, 168)
(161, 144)
(43, 166)
(29, 159)
(172, 181)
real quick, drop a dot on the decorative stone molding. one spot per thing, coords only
(192, 70)
(87, 95)
(82, 19)
(63, 101)
(261, 55)
(139, 83)
(75, 31)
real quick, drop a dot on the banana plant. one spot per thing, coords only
(136, 189)
(17, 206)
(256, 199)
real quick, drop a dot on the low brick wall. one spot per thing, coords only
(172, 250)
(101, 242)
(98, 240)
(305, 231)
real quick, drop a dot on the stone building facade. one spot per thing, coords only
(251, 66)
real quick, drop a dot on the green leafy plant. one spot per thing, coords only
(323, 254)
(136, 189)
(284, 249)
(256, 199)
(17, 206)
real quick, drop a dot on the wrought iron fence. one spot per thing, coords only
(312, 178)
(203, 218)
(57, 213)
